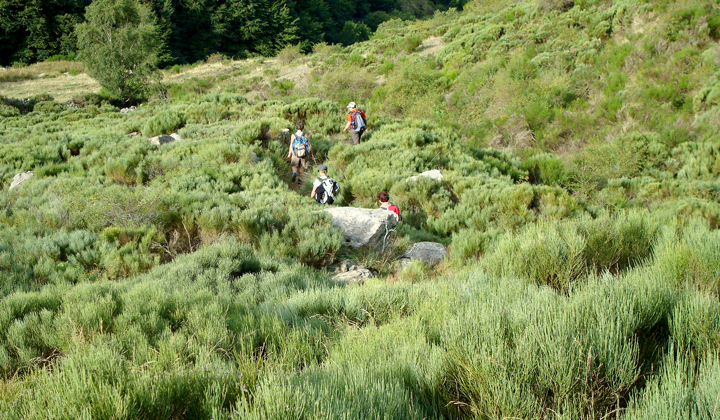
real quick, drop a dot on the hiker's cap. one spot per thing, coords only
(322, 168)
(351, 105)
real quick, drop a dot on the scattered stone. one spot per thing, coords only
(129, 109)
(161, 139)
(72, 104)
(431, 253)
(347, 265)
(353, 277)
(41, 75)
(434, 174)
(133, 134)
(363, 227)
(254, 157)
(20, 178)
(176, 136)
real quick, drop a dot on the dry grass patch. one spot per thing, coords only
(431, 46)
(62, 88)
(49, 68)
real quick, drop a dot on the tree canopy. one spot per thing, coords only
(121, 46)
(34, 30)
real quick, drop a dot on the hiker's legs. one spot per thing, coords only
(356, 137)
(301, 167)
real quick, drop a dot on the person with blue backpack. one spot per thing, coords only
(299, 152)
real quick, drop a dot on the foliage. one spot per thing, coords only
(121, 46)
(578, 197)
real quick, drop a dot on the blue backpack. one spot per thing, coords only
(301, 145)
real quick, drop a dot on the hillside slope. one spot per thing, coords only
(580, 201)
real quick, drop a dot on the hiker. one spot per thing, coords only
(385, 204)
(356, 122)
(299, 151)
(324, 187)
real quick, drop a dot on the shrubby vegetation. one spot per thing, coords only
(579, 201)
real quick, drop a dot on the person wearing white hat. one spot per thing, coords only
(356, 122)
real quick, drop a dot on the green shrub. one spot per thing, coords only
(164, 122)
(9, 111)
(618, 243)
(545, 168)
(347, 84)
(48, 107)
(694, 323)
(543, 253)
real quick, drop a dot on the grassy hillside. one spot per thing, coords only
(580, 202)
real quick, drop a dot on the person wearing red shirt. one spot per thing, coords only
(357, 129)
(385, 204)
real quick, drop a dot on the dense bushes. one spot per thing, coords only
(578, 198)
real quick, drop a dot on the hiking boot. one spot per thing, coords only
(294, 177)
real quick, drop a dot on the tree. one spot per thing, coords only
(121, 45)
(33, 30)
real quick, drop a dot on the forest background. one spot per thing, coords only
(33, 30)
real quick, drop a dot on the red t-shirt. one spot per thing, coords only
(361, 113)
(395, 209)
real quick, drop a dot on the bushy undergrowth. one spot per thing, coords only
(578, 197)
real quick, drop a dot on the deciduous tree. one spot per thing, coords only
(121, 45)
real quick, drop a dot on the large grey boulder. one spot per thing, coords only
(434, 174)
(20, 178)
(353, 276)
(363, 227)
(430, 253)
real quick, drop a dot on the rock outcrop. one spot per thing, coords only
(164, 139)
(353, 276)
(430, 253)
(363, 227)
(20, 178)
(434, 174)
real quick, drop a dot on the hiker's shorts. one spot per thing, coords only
(299, 161)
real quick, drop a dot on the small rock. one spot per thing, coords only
(347, 265)
(431, 253)
(434, 174)
(20, 178)
(41, 75)
(161, 139)
(133, 134)
(353, 277)
(254, 157)
(129, 109)
(176, 136)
